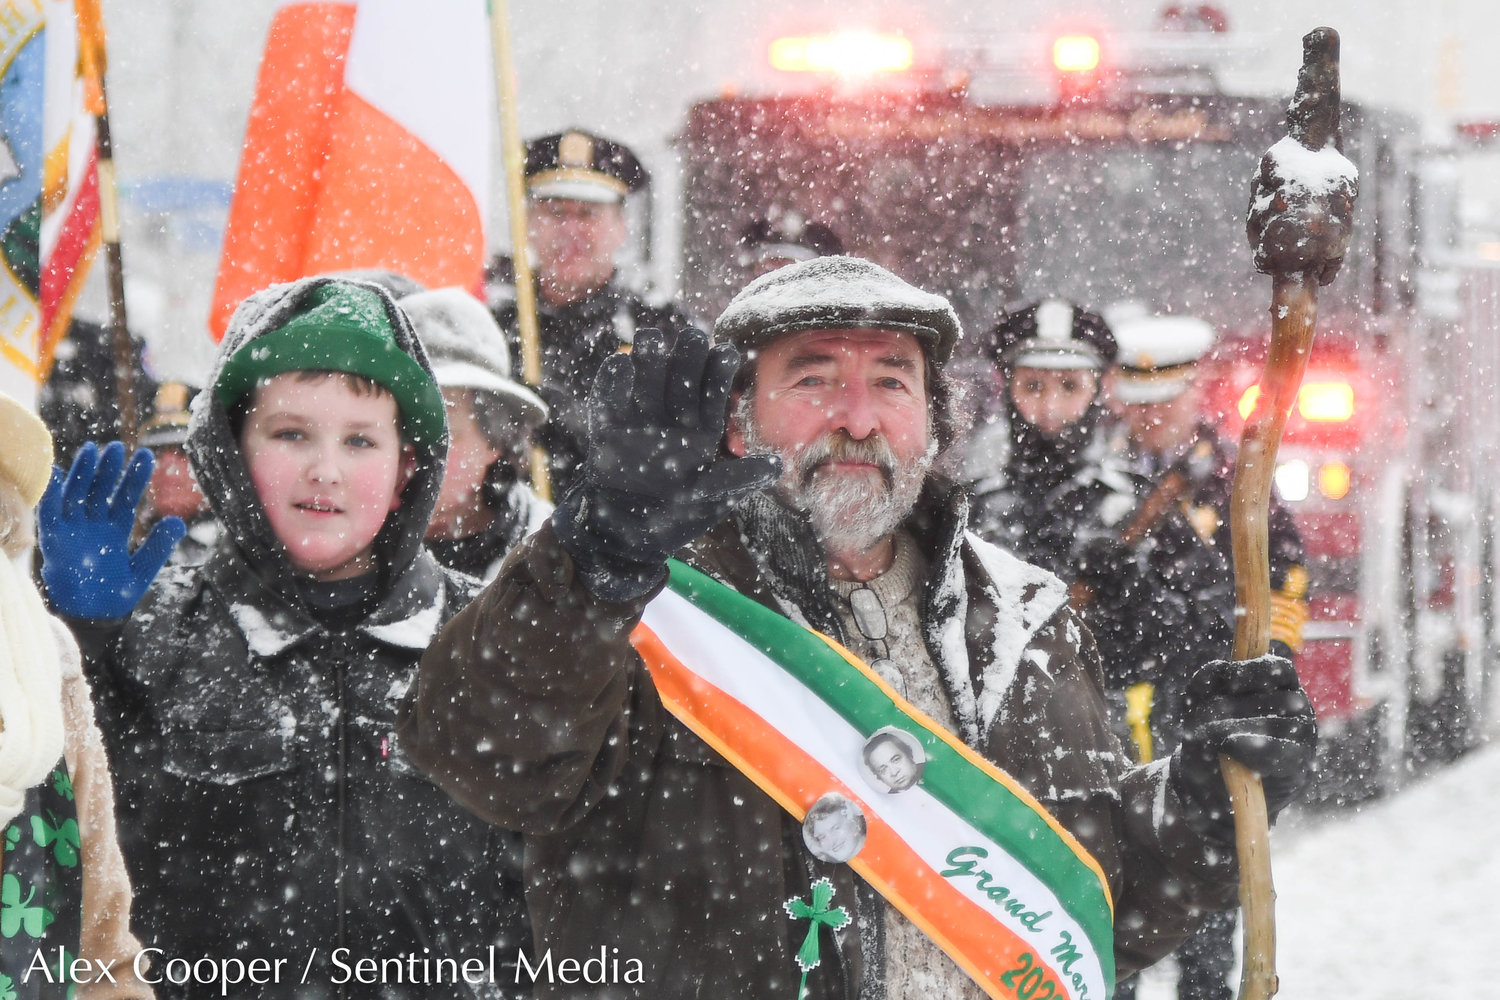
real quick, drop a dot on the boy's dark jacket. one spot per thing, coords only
(265, 807)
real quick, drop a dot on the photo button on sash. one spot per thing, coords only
(834, 829)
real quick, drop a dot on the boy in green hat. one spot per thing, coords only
(249, 703)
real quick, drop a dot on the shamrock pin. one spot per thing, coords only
(61, 837)
(820, 914)
(63, 784)
(17, 914)
(7, 988)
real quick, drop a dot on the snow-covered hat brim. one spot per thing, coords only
(527, 405)
(1055, 358)
(599, 191)
(837, 293)
(1138, 389)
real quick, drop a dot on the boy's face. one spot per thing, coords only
(328, 464)
(461, 507)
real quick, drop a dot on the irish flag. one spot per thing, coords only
(367, 147)
(965, 853)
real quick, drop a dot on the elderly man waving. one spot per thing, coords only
(800, 482)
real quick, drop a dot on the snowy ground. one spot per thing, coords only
(1393, 901)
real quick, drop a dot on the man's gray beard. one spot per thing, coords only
(849, 513)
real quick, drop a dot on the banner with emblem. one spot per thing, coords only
(949, 839)
(22, 87)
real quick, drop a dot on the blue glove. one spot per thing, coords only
(83, 526)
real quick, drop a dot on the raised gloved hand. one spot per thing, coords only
(655, 478)
(83, 527)
(1256, 712)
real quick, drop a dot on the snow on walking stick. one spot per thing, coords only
(1298, 225)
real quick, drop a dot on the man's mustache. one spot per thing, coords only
(840, 447)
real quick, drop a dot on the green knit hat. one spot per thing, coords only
(344, 327)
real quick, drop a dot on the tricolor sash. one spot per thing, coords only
(966, 853)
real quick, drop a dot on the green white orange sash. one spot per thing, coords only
(967, 854)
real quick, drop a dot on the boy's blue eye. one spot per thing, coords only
(287, 434)
(360, 441)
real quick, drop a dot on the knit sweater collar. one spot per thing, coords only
(897, 584)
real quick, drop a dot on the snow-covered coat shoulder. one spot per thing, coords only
(1025, 597)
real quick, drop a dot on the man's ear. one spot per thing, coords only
(404, 474)
(734, 434)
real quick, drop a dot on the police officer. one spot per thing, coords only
(1058, 501)
(1156, 393)
(576, 186)
(173, 491)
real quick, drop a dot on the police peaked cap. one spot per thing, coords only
(1053, 333)
(1159, 356)
(582, 166)
(168, 424)
(789, 236)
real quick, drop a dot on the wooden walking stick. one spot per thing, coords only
(1298, 225)
(515, 192)
(91, 60)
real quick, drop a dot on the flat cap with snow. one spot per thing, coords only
(837, 293)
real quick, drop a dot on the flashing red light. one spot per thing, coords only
(1076, 54)
(1317, 402)
(1478, 131)
(1247, 401)
(852, 53)
(1326, 402)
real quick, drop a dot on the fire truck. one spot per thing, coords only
(1129, 181)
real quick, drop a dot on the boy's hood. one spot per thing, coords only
(225, 479)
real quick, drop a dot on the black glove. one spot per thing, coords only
(654, 478)
(1102, 562)
(1256, 712)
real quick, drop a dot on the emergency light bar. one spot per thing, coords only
(1075, 54)
(1318, 402)
(1326, 402)
(851, 53)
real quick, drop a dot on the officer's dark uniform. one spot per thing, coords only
(578, 336)
(1210, 461)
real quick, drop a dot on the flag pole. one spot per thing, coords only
(91, 61)
(515, 194)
